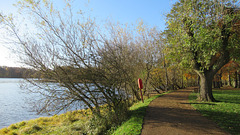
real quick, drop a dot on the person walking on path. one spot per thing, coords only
(172, 114)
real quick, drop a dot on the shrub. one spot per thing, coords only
(107, 122)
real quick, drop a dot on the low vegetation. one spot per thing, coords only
(68, 123)
(133, 125)
(83, 122)
(226, 112)
(74, 123)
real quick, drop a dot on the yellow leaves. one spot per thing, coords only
(141, 28)
(43, 23)
(51, 8)
(8, 18)
(168, 23)
(1, 19)
(29, 1)
(67, 2)
(46, 3)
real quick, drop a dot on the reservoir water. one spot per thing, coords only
(13, 107)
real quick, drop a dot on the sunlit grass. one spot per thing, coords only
(225, 113)
(65, 124)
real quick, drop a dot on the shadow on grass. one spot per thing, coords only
(226, 120)
(225, 112)
(234, 100)
(227, 96)
(200, 103)
(140, 111)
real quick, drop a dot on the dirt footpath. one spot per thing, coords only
(172, 114)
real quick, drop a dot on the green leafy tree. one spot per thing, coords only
(204, 35)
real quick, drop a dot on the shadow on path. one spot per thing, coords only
(172, 114)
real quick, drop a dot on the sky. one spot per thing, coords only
(151, 12)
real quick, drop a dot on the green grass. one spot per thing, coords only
(225, 113)
(133, 125)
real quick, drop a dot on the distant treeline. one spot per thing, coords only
(16, 72)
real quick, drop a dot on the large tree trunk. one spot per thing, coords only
(206, 86)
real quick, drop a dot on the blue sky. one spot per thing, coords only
(122, 11)
(130, 11)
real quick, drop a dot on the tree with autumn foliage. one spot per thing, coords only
(205, 36)
(230, 74)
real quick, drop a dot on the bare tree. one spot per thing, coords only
(78, 63)
(64, 48)
(120, 56)
(151, 46)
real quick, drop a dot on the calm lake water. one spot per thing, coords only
(13, 107)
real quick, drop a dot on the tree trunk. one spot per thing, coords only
(214, 84)
(174, 79)
(236, 79)
(182, 80)
(229, 79)
(206, 86)
(146, 81)
(220, 77)
(218, 81)
(166, 73)
(198, 81)
(218, 84)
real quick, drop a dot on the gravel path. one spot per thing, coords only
(172, 114)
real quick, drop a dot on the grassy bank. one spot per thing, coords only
(67, 123)
(78, 122)
(225, 113)
(133, 125)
